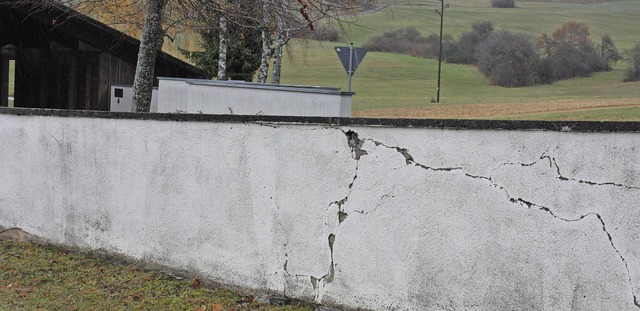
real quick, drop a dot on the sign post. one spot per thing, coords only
(351, 57)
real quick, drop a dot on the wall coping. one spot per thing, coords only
(453, 124)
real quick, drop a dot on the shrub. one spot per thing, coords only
(326, 33)
(404, 41)
(633, 70)
(503, 3)
(509, 59)
(319, 33)
(465, 49)
(570, 53)
(410, 41)
(570, 61)
(449, 46)
(608, 51)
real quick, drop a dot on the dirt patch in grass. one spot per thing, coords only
(484, 111)
(572, 1)
(36, 277)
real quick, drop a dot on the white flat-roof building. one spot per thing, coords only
(246, 98)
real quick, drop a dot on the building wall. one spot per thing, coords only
(72, 65)
(68, 79)
(240, 98)
(410, 215)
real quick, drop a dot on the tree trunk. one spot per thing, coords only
(277, 58)
(222, 50)
(280, 42)
(266, 44)
(150, 44)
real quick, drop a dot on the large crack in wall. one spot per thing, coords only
(356, 143)
(553, 163)
(320, 283)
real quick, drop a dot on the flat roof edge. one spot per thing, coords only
(455, 124)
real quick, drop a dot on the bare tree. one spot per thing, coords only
(282, 37)
(165, 18)
(283, 17)
(150, 44)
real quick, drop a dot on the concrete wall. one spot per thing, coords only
(442, 215)
(242, 98)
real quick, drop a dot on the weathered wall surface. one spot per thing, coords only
(372, 217)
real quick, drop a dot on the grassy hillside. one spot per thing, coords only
(12, 70)
(617, 18)
(391, 85)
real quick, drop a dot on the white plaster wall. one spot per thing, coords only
(397, 218)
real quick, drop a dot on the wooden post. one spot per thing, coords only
(7, 53)
(4, 81)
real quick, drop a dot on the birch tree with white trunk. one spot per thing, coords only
(291, 16)
(222, 48)
(282, 37)
(266, 41)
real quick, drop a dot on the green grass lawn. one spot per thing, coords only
(603, 114)
(12, 70)
(387, 82)
(35, 277)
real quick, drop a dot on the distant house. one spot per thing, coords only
(67, 60)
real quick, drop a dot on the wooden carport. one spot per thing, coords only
(67, 60)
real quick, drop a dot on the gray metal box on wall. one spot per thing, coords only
(244, 98)
(122, 98)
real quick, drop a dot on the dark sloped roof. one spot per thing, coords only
(65, 24)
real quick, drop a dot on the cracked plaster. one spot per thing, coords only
(391, 218)
(527, 204)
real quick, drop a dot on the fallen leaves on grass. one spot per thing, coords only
(35, 277)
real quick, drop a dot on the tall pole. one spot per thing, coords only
(441, 13)
(350, 71)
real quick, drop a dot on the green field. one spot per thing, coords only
(12, 70)
(392, 85)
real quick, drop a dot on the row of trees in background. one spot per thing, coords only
(231, 30)
(409, 41)
(515, 59)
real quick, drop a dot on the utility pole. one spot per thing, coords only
(441, 13)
